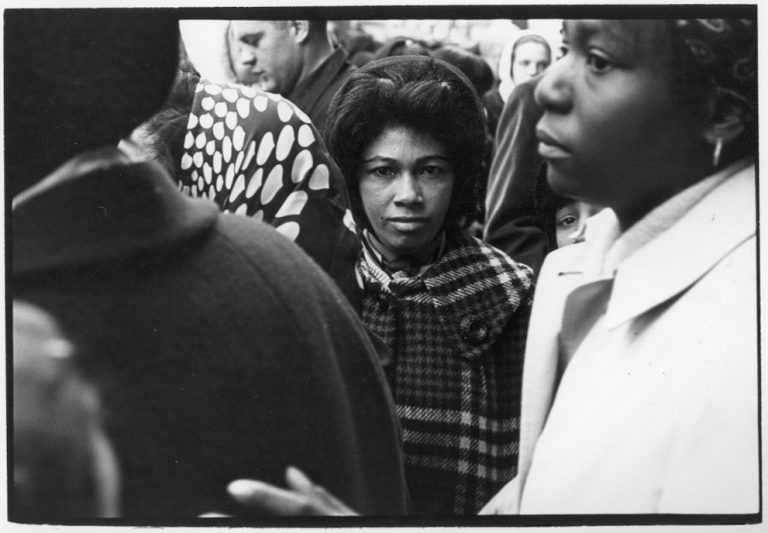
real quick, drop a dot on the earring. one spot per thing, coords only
(716, 153)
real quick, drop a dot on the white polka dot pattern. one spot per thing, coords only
(306, 137)
(289, 229)
(260, 103)
(293, 204)
(284, 111)
(243, 108)
(302, 164)
(255, 183)
(206, 121)
(265, 148)
(256, 154)
(349, 221)
(320, 178)
(220, 110)
(273, 183)
(218, 131)
(213, 89)
(284, 143)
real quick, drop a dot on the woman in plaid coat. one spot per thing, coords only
(408, 134)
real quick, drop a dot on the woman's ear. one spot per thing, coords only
(727, 121)
(300, 29)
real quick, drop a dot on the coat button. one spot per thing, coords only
(473, 330)
(382, 301)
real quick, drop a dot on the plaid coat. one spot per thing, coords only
(457, 335)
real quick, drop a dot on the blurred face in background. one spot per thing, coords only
(265, 54)
(570, 222)
(406, 182)
(530, 58)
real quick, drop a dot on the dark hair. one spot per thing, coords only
(472, 65)
(402, 46)
(423, 93)
(164, 132)
(715, 60)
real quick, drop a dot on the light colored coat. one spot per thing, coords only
(657, 411)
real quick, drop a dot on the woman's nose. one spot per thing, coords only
(554, 91)
(408, 189)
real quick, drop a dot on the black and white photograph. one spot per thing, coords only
(382, 265)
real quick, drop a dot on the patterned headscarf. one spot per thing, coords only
(726, 49)
(258, 155)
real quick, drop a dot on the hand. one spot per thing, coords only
(303, 498)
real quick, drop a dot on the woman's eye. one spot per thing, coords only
(431, 170)
(383, 172)
(567, 221)
(598, 63)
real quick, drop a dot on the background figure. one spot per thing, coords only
(64, 466)
(562, 220)
(293, 58)
(570, 221)
(524, 57)
(258, 155)
(408, 133)
(472, 65)
(402, 46)
(515, 183)
(218, 347)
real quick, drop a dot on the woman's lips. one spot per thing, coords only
(549, 148)
(407, 224)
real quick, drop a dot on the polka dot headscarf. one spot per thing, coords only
(256, 154)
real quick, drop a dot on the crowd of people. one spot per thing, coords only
(320, 275)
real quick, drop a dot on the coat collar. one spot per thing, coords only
(101, 206)
(308, 90)
(680, 256)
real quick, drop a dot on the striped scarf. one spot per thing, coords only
(457, 335)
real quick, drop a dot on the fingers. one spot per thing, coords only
(324, 501)
(303, 498)
(269, 499)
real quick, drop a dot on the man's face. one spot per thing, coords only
(265, 54)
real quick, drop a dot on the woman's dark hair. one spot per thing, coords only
(715, 60)
(472, 65)
(422, 93)
(163, 134)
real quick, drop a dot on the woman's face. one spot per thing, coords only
(612, 133)
(406, 180)
(531, 58)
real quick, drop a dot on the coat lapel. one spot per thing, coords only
(672, 262)
(557, 279)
